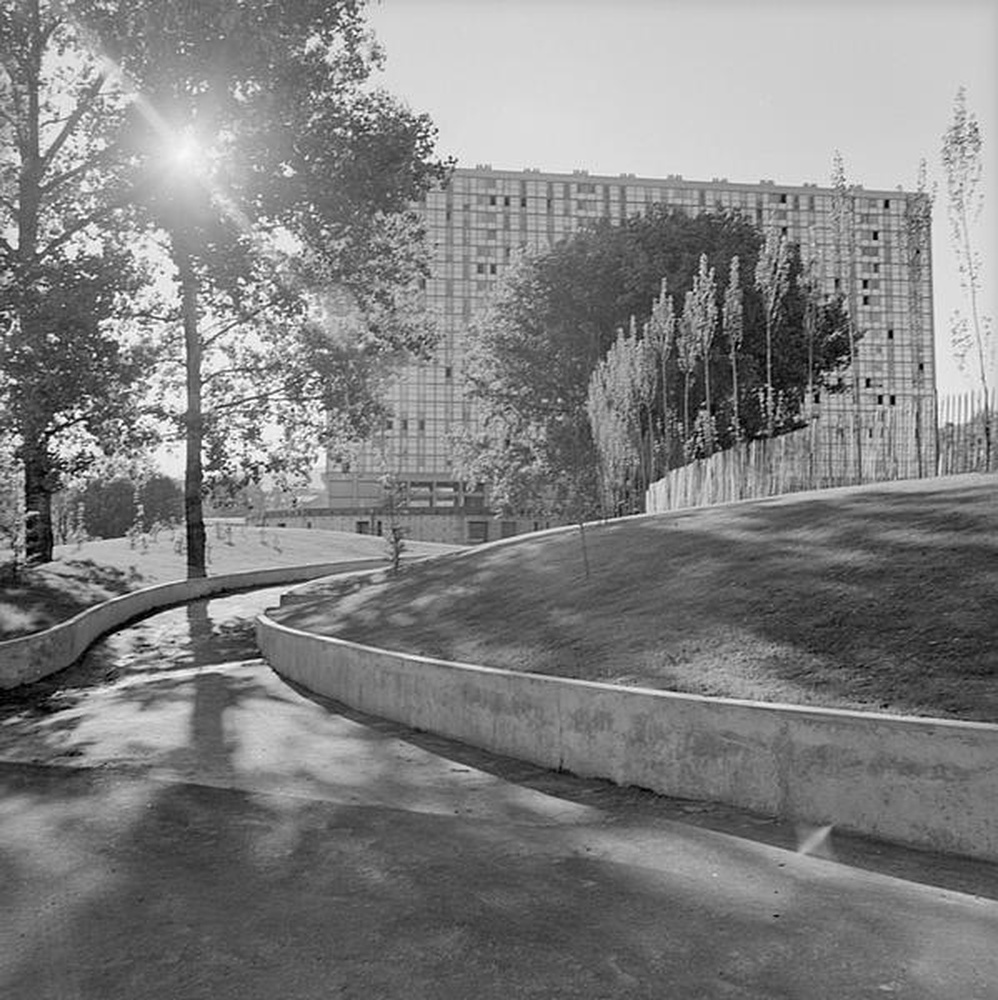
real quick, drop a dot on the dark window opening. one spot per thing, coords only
(421, 424)
(448, 372)
(866, 282)
(921, 366)
(869, 383)
(505, 201)
(887, 203)
(866, 300)
(890, 334)
(523, 202)
(404, 424)
(876, 234)
(492, 199)
(894, 400)
(880, 400)
(783, 199)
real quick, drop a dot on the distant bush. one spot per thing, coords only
(117, 507)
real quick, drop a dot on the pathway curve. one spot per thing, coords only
(177, 822)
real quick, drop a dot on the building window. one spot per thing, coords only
(523, 202)
(492, 199)
(866, 300)
(404, 424)
(894, 400)
(389, 424)
(887, 203)
(448, 372)
(492, 268)
(783, 199)
(479, 269)
(869, 383)
(866, 282)
(421, 424)
(505, 201)
(876, 234)
(890, 334)
(880, 400)
(784, 231)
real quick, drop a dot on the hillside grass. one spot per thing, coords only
(881, 598)
(86, 574)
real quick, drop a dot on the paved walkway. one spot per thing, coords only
(177, 822)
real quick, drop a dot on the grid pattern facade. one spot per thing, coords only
(483, 216)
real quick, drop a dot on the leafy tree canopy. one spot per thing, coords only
(556, 314)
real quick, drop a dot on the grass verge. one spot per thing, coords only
(83, 575)
(878, 598)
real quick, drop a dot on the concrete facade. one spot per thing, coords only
(479, 221)
(923, 782)
(31, 657)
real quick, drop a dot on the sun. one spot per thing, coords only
(186, 154)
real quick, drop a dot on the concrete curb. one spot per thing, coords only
(929, 783)
(31, 657)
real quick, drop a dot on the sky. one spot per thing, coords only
(747, 90)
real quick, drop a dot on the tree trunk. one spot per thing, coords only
(734, 396)
(38, 535)
(194, 474)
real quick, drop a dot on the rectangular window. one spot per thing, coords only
(887, 203)
(866, 282)
(421, 424)
(448, 372)
(505, 201)
(880, 400)
(890, 334)
(894, 400)
(876, 234)
(866, 300)
(523, 202)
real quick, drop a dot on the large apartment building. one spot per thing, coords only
(483, 216)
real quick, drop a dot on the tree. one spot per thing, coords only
(963, 162)
(701, 312)
(271, 169)
(113, 507)
(733, 324)
(69, 380)
(772, 279)
(554, 318)
(618, 403)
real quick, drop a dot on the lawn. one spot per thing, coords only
(86, 574)
(881, 598)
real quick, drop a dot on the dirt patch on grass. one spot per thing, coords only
(881, 598)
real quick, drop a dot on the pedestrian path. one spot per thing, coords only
(176, 821)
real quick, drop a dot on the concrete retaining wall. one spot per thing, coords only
(925, 782)
(30, 657)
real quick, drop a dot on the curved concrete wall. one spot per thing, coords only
(925, 782)
(30, 657)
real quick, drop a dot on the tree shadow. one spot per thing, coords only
(881, 599)
(164, 890)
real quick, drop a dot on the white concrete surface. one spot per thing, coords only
(924, 782)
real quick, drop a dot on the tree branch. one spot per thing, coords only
(82, 106)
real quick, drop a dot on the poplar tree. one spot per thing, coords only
(733, 324)
(962, 159)
(772, 279)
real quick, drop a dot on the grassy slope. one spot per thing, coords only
(95, 571)
(881, 598)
